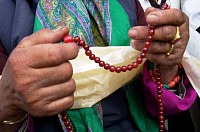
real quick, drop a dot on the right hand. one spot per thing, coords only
(37, 77)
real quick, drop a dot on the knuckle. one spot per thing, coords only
(44, 34)
(70, 102)
(68, 70)
(25, 40)
(180, 15)
(74, 50)
(55, 54)
(71, 86)
(167, 32)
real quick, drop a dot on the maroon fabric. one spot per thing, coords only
(3, 57)
(141, 21)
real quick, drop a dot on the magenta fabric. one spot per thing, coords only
(172, 104)
(30, 125)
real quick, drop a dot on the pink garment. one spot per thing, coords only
(30, 125)
(171, 102)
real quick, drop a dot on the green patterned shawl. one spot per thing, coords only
(99, 24)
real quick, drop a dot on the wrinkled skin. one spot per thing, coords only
(37, 77)
(165, 22)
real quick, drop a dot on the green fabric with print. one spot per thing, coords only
(96, 32)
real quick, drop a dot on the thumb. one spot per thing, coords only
(44, 36)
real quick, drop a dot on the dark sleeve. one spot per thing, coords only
(3, 57)
(141, 20)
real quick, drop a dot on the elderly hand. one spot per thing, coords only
(165, 22)
(37, 77)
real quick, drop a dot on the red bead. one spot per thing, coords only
(161, 128)
(159, 96)
(149, 39)
(118, 69)
(161, 113)
(81, 43)
(67, 123)
(134, 65)
(160, 104)
(161, 122)
(77, 39)
(106, 66)
(158, 82)
(97, 59)
(158, 71)
(158, 74)
(159, 92)
(68, 39)
(146, 44)
(101, 63)
(145, 50)
(161, 108)
(92, 57)
(124, 68)
(139, 60)
(63, 114)
(142, 55)
(151, 32)
(151, 27)
(88, 52)
(129, 67)
(69, 128)
(158, 79)
(161, 118)
(112, 69)
(65, 118)
(158, 87)
(86, 47)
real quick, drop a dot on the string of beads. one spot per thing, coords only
(119, 69)
(169, 85)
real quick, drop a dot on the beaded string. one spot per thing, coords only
(119, 69)
(169, 85)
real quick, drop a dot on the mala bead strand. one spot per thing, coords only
(66, 122)
(169, 85)
(119, 69)
(159, 99)
(105, 65)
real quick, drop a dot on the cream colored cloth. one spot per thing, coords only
(95, 83)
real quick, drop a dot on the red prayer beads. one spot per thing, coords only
(66, 122)
(107, 66)
(119, 69)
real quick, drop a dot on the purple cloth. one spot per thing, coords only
(172, 104)
(30, 126)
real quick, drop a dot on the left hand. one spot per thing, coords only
(165, 22)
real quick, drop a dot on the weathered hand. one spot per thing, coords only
(165, 22)
(37, 77)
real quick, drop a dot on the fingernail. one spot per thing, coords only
(133, 33)
(58, 29)
(152, 16)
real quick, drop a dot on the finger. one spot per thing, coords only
(156, 47)
(47, 55)
(60, 105)
(164, 33)
(163, 17)
(44, 36)
(53, 75)
(58, 91)
(168, 61)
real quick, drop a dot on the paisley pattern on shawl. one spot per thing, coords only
(75, 13)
